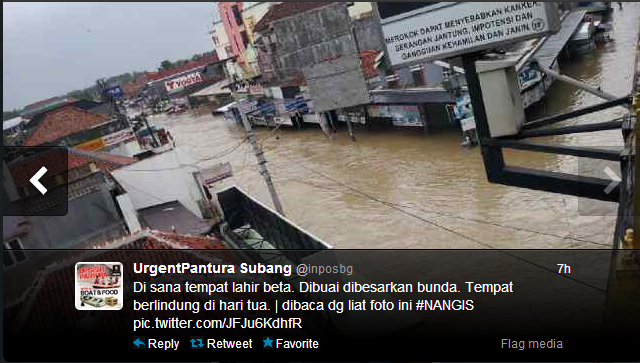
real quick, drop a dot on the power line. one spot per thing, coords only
(360, 193)
(221, 155)
(455, 232)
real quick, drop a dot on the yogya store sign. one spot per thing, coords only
(414, 33)
(180, 83)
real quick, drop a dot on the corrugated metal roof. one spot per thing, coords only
(173, 217)
(13, 122)
(553, 45)
(214, 89)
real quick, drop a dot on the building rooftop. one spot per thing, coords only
(13, 122)
(368, 61)
(173, 217)
(23, 170)
(212, 90)
(43, 104)
(104, 161)
(155, 76)
(62, 122)
(285, 10)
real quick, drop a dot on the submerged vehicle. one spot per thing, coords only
(583, 40)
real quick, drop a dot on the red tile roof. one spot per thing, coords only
(297, 80)
(62, 122)
(368, 63)
(22, 171)
(104, 161)
(285, 10)
(154, 76)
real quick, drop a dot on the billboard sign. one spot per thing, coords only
(215, 173)
(91, 145)
(446, 29)
(180, 83)
(408, 115)
(118, 137)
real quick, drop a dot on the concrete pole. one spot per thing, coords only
(576, 83)
(261, 160)
(350, 127)
(153, 135)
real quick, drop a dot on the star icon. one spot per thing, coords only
(267, 342)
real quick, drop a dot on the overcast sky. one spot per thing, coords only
(52, 48)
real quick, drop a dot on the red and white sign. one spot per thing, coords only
(180, 83)
(118, 137)
(256, 89)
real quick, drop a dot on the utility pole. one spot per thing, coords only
(153, 135)
(262, 162)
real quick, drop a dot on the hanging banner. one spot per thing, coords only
(215, 173)
(118, 137)
(468, 123)
(405, 115)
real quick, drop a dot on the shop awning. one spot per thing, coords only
(227, 107)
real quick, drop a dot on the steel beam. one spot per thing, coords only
(579, 112)
(583, 152)
(601, 126)
(554, 182)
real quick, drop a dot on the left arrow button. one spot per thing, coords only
(35, 180)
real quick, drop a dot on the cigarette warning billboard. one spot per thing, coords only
(442, 30)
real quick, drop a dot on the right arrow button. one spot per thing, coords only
(615, 180)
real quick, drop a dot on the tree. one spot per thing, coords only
(166, 64)
(6, 115)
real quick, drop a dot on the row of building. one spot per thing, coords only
(307, 62)
(287, 62)
(105, 182)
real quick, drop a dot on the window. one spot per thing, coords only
(236, 14)
(13, 253)
(245, 38)
(418, 75)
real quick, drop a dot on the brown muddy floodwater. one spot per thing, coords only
(440, 185)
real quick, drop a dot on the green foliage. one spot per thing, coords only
(166, 64)
(88, 93)
(91, 92)
(6, 115)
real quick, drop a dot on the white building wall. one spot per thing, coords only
(223, 40)
(358, 9)
(162, 178)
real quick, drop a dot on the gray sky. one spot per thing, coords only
(52, 48)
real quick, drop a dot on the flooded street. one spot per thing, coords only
(400, 188)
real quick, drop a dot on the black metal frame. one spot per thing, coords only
(555, 182)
